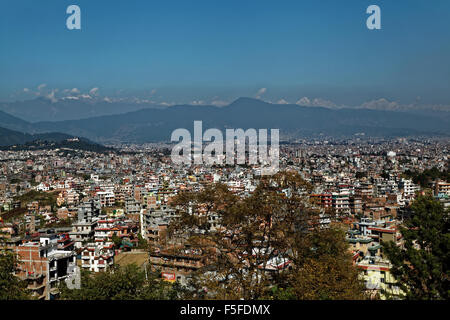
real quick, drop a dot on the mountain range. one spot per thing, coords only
(44, 109)
(157, 124)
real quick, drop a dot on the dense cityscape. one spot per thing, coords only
(224, 159)
(66, 210)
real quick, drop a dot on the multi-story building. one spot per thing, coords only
(441, 188)
(82, 232)
(89, 211)
(106, 198)
(132, 206)
(364, 190)
(177, 263)
(322, 199)
(356, 205)
(43, 265)
(97, 257)
(376, 273)
(408, 187)
(341, 202)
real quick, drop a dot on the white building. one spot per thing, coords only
(97, 257)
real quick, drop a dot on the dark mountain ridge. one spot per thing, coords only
(14, 140)
(153, 125)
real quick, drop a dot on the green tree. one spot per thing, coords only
(121, 283)
(116, 240)
(11, 287)
(360, 174)
(276, 224)
(421, 264)
(323, 269)
(385, 175)
(142, 243)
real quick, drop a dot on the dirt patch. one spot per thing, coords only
(127, 258)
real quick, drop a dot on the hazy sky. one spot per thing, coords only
(216, 50)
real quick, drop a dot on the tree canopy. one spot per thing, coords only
(265, 246)
(421, 264)
(11, 287)
(121, 283)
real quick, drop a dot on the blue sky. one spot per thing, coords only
(205, 50)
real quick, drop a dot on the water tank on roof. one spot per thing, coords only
(391, 154)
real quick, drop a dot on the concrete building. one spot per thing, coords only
(43, 265)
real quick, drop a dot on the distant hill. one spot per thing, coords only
(13, 123)
(43, 109)
(11, 137)
(153, 125)
(14, 140)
